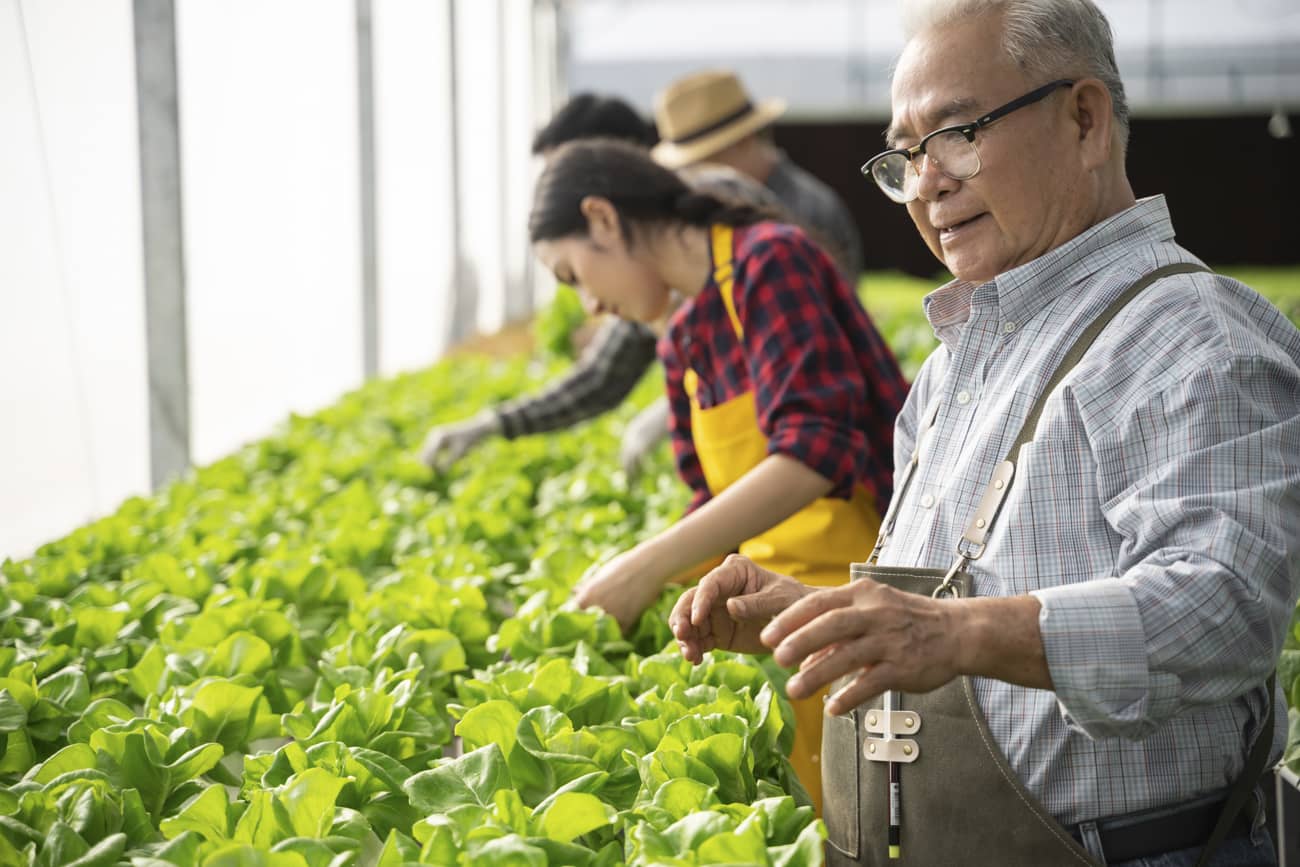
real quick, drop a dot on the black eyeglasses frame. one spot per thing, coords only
(969, 129)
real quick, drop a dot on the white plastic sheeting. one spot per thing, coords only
(73, 412)
(413, 164)
(270, 185)
(271, 219)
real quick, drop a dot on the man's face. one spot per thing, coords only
(1025, 200)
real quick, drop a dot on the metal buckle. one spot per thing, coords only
(976, 549)
(947, 587)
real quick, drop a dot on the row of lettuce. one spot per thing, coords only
(316, 652)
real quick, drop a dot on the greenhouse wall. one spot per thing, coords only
(271, 209)
(73, 405)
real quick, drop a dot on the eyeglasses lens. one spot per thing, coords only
(951, 153)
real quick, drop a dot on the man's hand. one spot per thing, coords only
(623, 587)
(729, 608)
(646, 430)
(897, 640)
(447, 444)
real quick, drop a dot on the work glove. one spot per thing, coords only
(643, 433)
(448, 443)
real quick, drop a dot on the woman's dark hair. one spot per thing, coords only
(643, 192)
(588, 115)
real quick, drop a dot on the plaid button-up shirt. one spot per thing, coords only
(825, 384)
(1155, 515)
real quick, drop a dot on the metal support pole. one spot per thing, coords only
(544, 64)
(158, 108)
(518, 292)
(1155, 50)
(366, 158)
(464, 306)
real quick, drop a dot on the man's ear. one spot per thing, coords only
(603, 225)
(1093, 114)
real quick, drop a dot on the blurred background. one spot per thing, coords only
(215, 214)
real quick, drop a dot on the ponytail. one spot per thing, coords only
(701, 208)
(643, 193)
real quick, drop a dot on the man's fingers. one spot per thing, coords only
(722, 582)
(679, 621)
(816, 657)
(702, 604)
(758, 606)
(866, 686)
(582, 595)
(693, 651)
(802, 612)
(737, 576)
(830, 664)
(833, 627)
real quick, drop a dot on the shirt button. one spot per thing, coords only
(927, 501)
(1008, 327)
(963, 397)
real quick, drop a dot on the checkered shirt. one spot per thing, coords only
(619, 355)
(825, 384)
(1155, 515)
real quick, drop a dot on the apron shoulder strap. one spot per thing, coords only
(972, 541)
(1256, 765)
(724, 273)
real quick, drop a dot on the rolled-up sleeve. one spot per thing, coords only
(1202, 484)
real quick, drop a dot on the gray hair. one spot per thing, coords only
(1044, 37)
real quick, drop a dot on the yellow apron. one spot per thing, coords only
(815, 545)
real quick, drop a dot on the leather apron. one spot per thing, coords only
(961, 802)
(812, 545)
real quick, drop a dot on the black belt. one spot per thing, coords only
(1127, 838)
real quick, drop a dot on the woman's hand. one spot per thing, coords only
(730, 606)
(624, 587)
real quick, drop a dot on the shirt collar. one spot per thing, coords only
(1023, 291)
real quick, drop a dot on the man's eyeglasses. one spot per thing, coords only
(951, 149)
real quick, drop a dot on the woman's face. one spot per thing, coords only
(609, 277)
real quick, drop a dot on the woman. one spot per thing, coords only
(782, 393)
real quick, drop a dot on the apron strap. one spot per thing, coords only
(724, 273)
(1256, 763)
(972, 543)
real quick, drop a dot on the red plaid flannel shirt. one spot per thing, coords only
(826, 387)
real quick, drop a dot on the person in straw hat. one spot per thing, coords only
(708, 117)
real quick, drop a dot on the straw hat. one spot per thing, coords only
(701, 114)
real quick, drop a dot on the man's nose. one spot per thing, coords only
(932, 183)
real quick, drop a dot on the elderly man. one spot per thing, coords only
(1091, 558)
